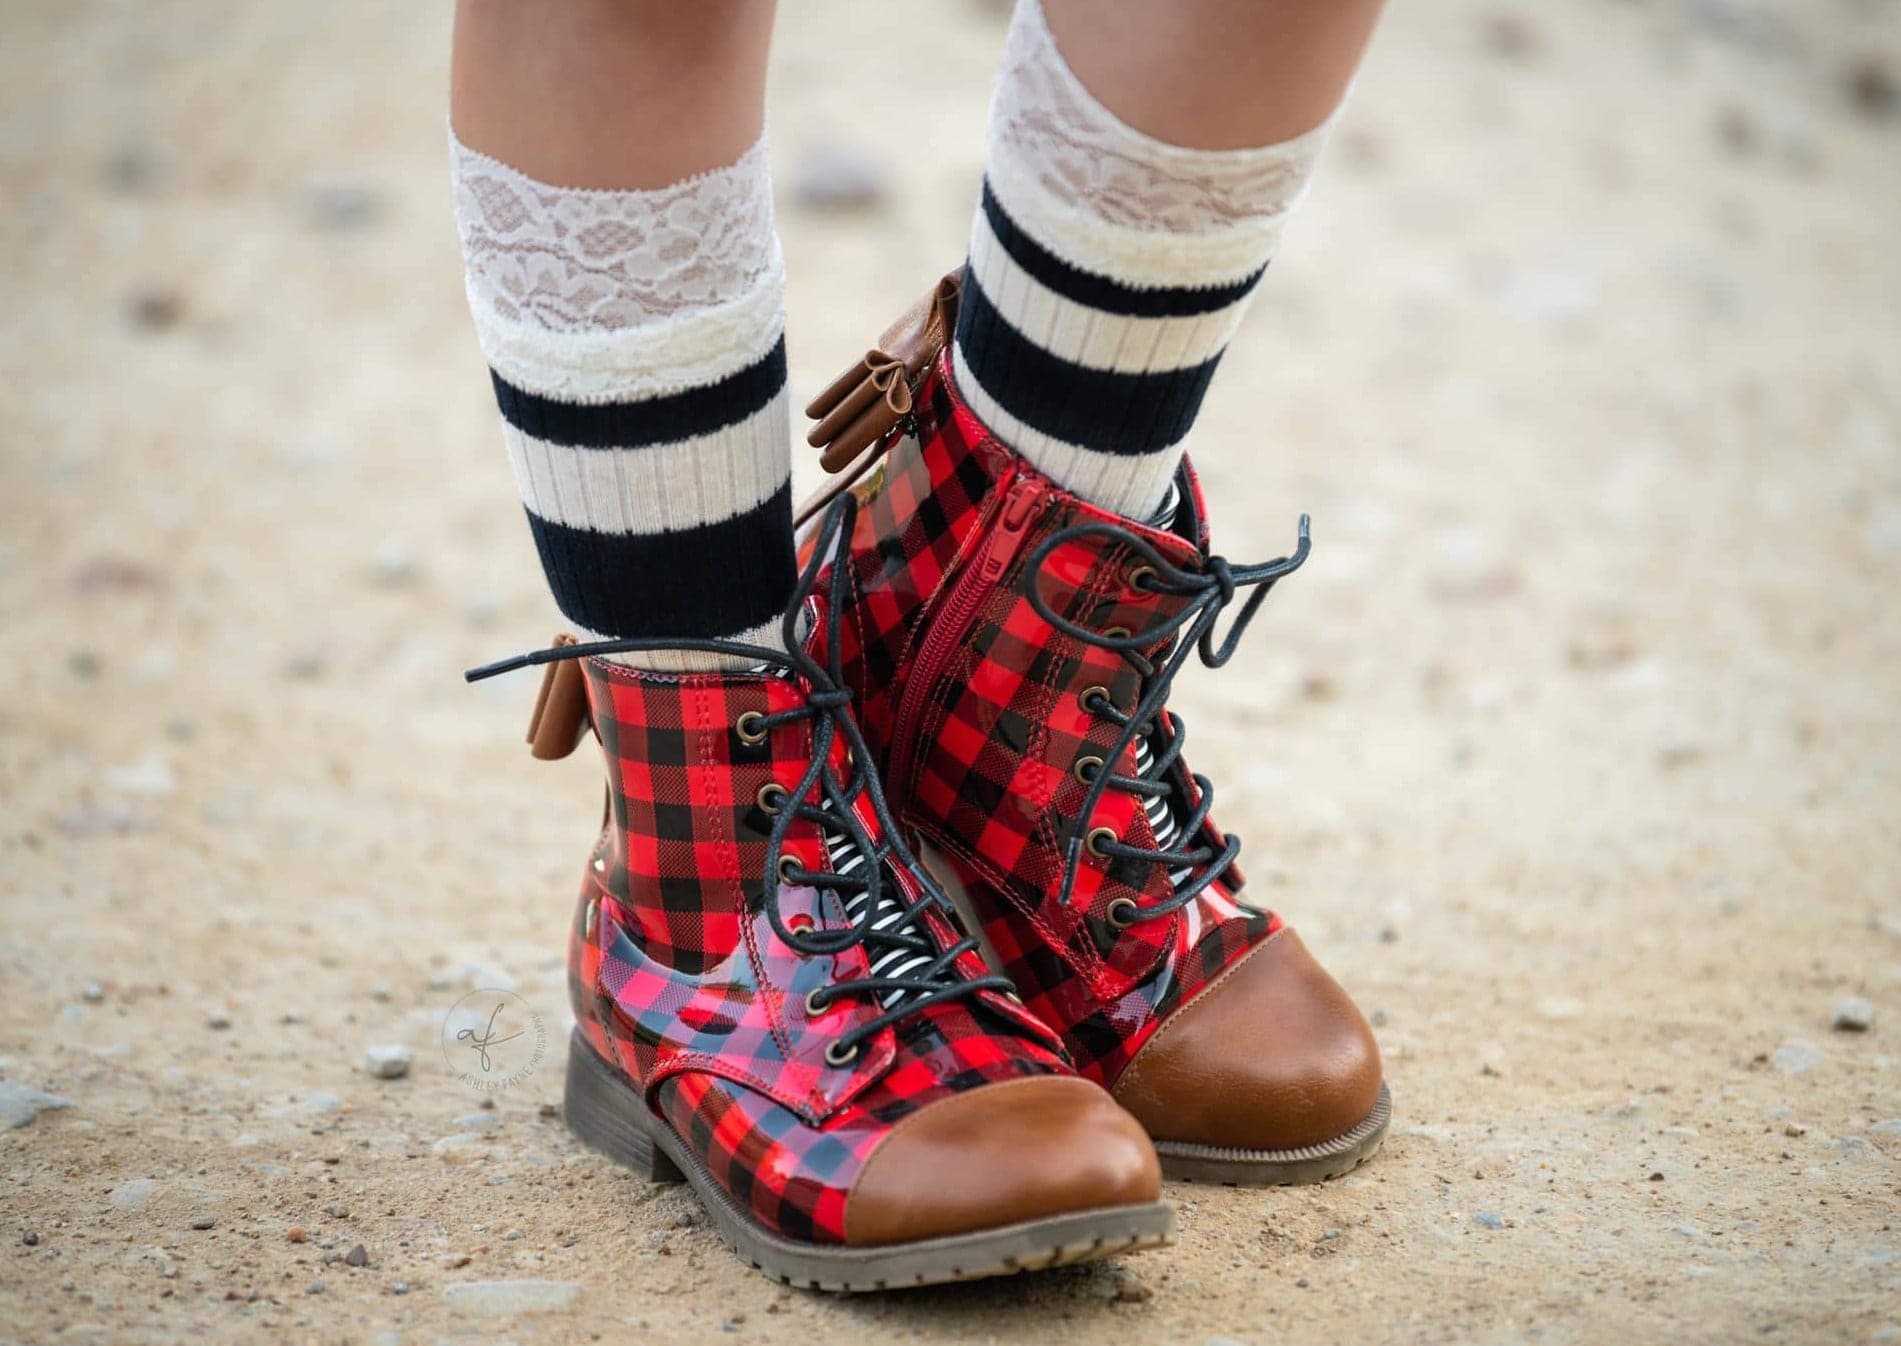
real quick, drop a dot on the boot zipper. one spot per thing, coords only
(949, 628)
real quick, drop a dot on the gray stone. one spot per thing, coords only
(1852, 1014)
(478, 1121)
(132, 1195)
(836, 179)
(387, 1060)
(21, 1103)
(1489, 1219)
(1795, 1056)
(502, 1297)
(338, 206)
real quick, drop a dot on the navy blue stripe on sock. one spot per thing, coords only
(655, 420)
(1100, 292)
(713, 580)
(1098, 409)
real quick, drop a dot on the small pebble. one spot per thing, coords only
(218, 1020)
(387, 1061)
(836, 179)
(154, 310)
(1852, 1015)
(1489, 1219)
(1132, 1292)
(314, 1288)
(395, 565)
(21, 1103)
(297, 1234)
(93, 992)
(30, 1239)
(1795, 1056)
(358, 1256)
(1873, 87)
(337, 207)
(203, 1222)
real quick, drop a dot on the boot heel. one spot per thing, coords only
(606, 1114)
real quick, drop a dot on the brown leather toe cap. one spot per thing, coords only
(999, 1155)
(1273, 1056)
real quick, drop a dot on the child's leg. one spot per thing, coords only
(1143, 158)
(615, 211)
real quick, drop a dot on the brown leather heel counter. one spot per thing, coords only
(1000, 1155)
(1274, 1056)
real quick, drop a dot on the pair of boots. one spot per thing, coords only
(916, 951)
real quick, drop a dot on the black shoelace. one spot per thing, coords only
(1160, 775)
(909, 971)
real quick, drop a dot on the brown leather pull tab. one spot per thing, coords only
(560, 717)
(863, 405)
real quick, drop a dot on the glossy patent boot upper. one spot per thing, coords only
(1013, 648)
(773, 1002)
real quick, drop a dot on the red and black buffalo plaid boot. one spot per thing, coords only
(1012, 647)
(773, 1002)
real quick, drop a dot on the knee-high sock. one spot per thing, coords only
(1108, 272)
(636, 344)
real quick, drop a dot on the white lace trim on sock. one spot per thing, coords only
(600, 296)
(1098, 192)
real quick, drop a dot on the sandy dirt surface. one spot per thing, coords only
(1573, 750)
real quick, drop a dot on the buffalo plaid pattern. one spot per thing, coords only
(983, 720)
(679, 978)
(919, 511)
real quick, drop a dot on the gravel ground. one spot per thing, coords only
(1573, 750)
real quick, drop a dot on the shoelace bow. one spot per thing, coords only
(1189, 630)
(920, 987)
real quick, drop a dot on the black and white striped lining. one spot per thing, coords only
(889, 961)
(667, 515)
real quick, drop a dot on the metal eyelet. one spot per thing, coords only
(747, 726)
(1013, 998)
(1142, 579)
(1097, 836)
(816, 1002)
(1118, 633)
(772, 796)
(592, 922)
(600, 864)
(1123, 913)
(788, 863)
(1097, 694)
(835, 1057)
(1087, 769)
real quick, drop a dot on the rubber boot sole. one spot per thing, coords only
(609, 1115)
(1279, 1168)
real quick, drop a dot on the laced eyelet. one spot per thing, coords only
(1142, 579)
(1123, 913)
(1095, 696)
(788, 863)
(749, 727)
(1086, 768)
(1118, 633)
(836, 1058)
(1097, 836)
(772, 797)
(816, 1002)
(799, 923)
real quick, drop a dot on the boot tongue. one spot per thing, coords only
(1164, 819)
(885, 960)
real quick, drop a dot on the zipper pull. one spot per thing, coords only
(1006, 539)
